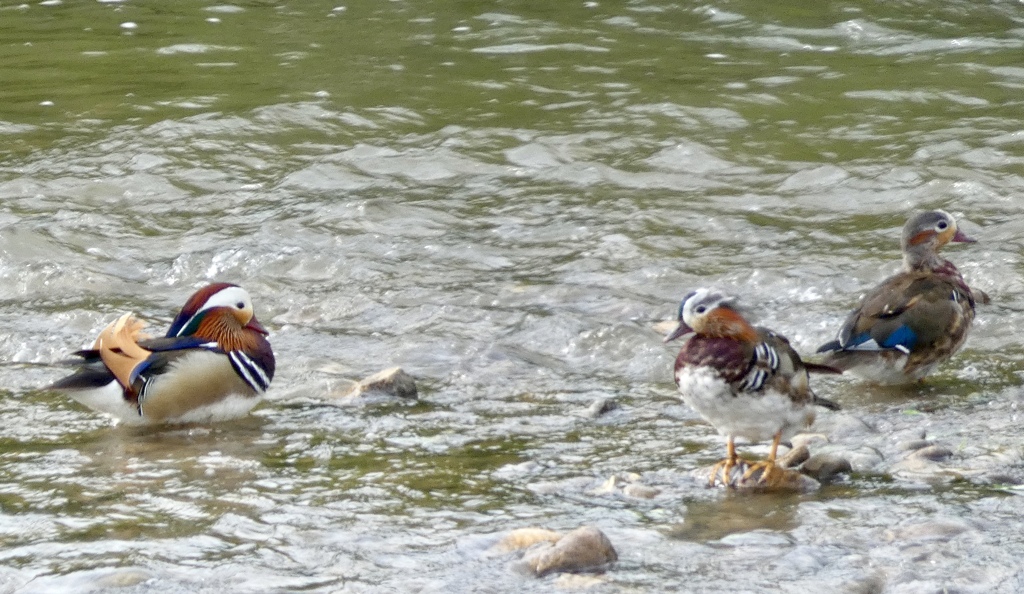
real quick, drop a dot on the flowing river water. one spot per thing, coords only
(503, 198)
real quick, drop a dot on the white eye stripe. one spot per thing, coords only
(232, 297)
(700, 302)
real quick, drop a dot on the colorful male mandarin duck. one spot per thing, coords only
(214, 364)
(746, 381)
(915, 319)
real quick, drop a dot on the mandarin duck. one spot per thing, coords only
(915, 319)
(214, 364)
(746, 381)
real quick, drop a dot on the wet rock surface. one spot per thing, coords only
(330, 384)
(746, 476)
(794, 457)
(601, 406)
(908, 458)
(583, 549)
(523, 538)
(826, 466)
(543, 552)
(501, 198)
(628, 485)
(390, 382)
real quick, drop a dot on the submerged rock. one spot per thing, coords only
(935, 453)
(789, 480)
(390, 382)
(612, 485)
(572, 581)
(638, 491)
(524, 538)
(583, 549)
(865, 458)
(935, 529)
(794, 457)
(625, 484)
(124, 578)
(825, 466)
(808, 440)
(913, 444)
(601, 406)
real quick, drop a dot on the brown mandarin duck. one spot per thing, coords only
(214, 364)
(916, 318)
(748, 382)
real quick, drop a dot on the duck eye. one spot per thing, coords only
(942, 225)
(240, 305)
(700, 309)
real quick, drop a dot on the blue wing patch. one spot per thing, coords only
(177, 343)
(158, 345)
(139, 370)
(903, 338)
(861, 342)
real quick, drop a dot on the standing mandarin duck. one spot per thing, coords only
(214, 364)
(746, 381)
(916, 318)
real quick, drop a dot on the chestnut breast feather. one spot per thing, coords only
(729, 357)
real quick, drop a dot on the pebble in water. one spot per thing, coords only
(583, 549)
(380, 238)
(601, 406)
(825, 466)
(393, 382)
(627, 485)
(935, 453)
(794, 457)
(548, 551)
(523, 538)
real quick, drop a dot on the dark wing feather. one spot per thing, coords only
(907, 311)
(825, 402)
(93, 374)
(175, 343)
(821, 368)
(790, 374)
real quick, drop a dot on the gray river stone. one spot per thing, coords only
(794, 457)
(935, 453)
(583, 549)
(393, 381)
(826, 466)
(601, 406)
(524, 538)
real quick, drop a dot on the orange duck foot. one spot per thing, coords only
(767, 473)
(729, 472)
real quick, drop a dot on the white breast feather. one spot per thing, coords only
(753, 416)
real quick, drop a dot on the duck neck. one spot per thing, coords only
(915, 260)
